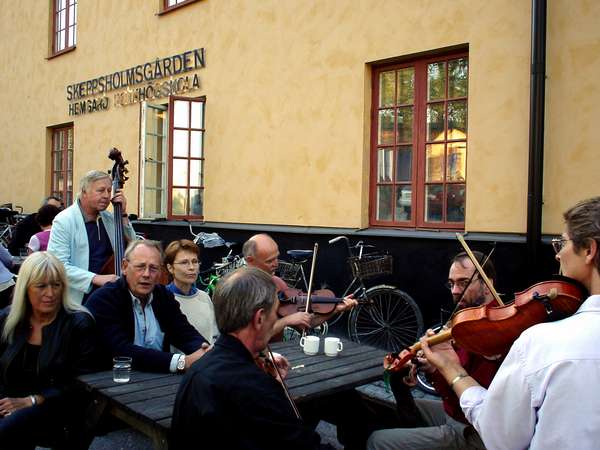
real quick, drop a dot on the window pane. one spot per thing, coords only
(180, 143)
(457, 161)
(153, 175)
(62, 19)
(71, 36)
(406, 85)
(180, 172)
(436, 81)
(153, 202)
(384, 203)
(69, 160)
(69, 198)
(404, 164)
(384, 164)
(196, 115)
(434, 162)
(161, 148)
(435, 122)
(196, 144)
(60, 4)
(179, 203)
(195, 172)
(151, 148)
(74, 35)
(457, 119)
(196, 202)
(386, 127)
(60, 181)
(181, 113)
(71, 15)
(70, 138)
(403, 203)
(458, 78)
(434, 202)
(387, 87)
(405, 124)
(58, 161)
(61, 40)
(69, 181)
(456, 203)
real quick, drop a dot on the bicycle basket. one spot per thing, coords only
(289, 272)
(371, 265)
(223, 269)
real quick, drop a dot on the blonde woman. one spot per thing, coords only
(46, 340)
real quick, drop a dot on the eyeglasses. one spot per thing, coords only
(559, 243)
(187, 262)
(141, 268)
(461, 284)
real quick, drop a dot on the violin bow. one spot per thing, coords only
(310, 281)
(285, 388)
(482, 274)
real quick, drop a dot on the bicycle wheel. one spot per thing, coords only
(391, 320)
(291, 334)
(422, 382)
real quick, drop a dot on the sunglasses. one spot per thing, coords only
(559, 243)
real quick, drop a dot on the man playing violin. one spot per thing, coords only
(543, 395)
(430, 424)
(262, 252)
(82, 235)
(227, 399)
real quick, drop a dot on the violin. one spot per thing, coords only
(117, 173)
(490, 330)
(322, 301)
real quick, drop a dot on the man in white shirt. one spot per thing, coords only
(543, 396)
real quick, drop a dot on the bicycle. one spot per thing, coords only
(208, 279)
(8, 221)
(387, 317)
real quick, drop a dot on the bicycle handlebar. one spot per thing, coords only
(336, 239)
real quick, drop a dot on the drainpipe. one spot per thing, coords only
(536, 134)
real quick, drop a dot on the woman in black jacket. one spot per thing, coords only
(46, 341)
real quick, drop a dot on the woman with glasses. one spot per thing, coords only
(46, 340)
(183, 265)
(544, 396)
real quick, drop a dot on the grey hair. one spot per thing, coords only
(37, 268)
(239, 295)
(91, 177)
(249, 248)
(583, 225)
(148, 243)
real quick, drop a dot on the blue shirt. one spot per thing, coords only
(176, 291)
(147, 330)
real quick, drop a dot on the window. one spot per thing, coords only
(65, 25)
(173, 4)
(62, 164)
(419, 143)
(172, 180)
(153, 181)
(186, 143)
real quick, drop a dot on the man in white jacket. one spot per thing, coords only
(83, 235)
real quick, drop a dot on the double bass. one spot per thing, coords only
(117, 173)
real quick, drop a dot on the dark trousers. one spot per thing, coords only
(45, 425)
(6, 297)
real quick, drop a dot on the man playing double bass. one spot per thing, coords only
(544, 396)
(427, 424)
(83, 234)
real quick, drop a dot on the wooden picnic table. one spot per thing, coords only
(146, 402)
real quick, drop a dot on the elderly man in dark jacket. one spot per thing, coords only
(138, 317)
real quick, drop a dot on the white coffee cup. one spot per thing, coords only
(333, 346)
(310, 344)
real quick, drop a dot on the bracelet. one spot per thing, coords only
(33, 400)
(458, 377)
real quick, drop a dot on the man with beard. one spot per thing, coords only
(426, 424)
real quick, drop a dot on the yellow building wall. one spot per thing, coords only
(288, 98)
(572, 159)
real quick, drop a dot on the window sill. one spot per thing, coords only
(175, 7)
(62, 52)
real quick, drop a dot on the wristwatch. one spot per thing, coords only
(181, 363)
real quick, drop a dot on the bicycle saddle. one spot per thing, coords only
(299, 255)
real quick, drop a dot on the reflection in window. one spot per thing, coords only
(154, 161)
